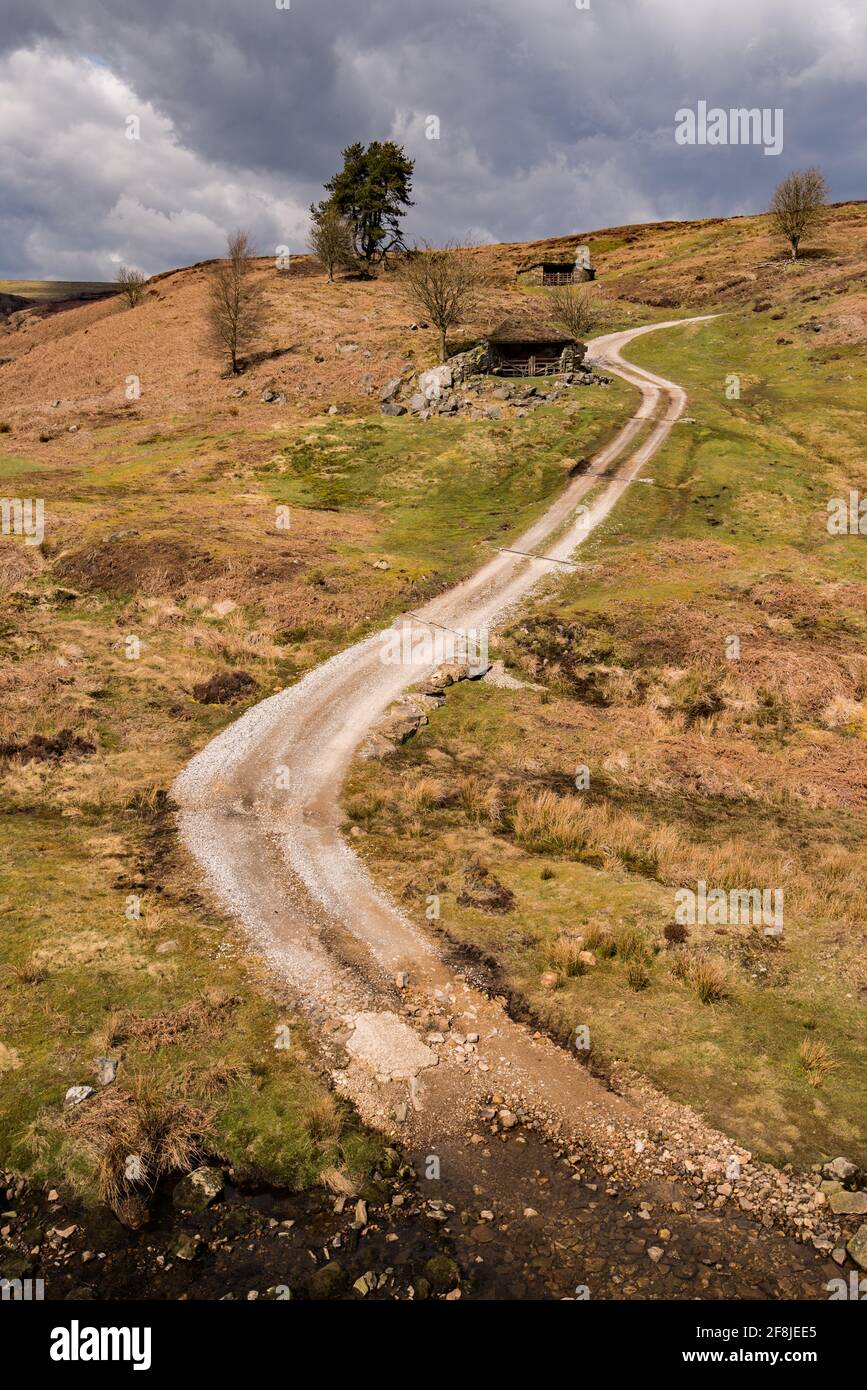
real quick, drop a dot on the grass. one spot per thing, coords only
(744, 772)
(85, 833)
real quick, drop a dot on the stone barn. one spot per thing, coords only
(558, 270)
(519, 348)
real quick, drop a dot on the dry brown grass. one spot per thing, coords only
(637, 975)
(167, 1134)
(426, 794)
(706, 975)
(831, 883)
(209, 1082)
(563, 954)
(601, 940)
(30, 971)
(481, 801)
(160, 1030)
(816, 1059)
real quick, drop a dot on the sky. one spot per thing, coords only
(525, 118)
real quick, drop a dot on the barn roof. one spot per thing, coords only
(548, 260)
(521, 330)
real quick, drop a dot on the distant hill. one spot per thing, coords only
(76, 342)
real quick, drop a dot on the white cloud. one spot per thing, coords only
(87, 198)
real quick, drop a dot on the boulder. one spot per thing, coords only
(198, 1190)
(392, 408)
(447, 674)
(433, 382)
(848, 1203)
(75, 1095)
(106, 1070)
(390, 390)
(857, 1246)
(469, 364)
(841, 1169)
(327, 1282)
(417, 403)
(400, 724)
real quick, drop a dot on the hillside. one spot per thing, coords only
(167, 597)
(82, 357)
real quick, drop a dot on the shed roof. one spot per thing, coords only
(519, 330)
(550, 260)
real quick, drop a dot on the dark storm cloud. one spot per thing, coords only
(552, 118)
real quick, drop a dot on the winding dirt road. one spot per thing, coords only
(416, 1046)
(260, 804)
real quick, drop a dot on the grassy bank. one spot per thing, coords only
(163, 566)
(741, 763)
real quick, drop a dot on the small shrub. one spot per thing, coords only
(547, 873)
(168, 1133)
(546, 821)
(481, 802)
(675, 933)
(5, 427)
(364, 809)
(28, 972)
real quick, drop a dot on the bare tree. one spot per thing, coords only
(441, 284)
(797, 205)
(574, 310)
(331, 239)
(131, 284)
(236, 303)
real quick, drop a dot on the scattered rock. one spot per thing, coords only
(857, 1246)
(848, 1203)
(841, 1169)
(328, 1281)
(106, 1070)
(432, 383)
(393, 409)
(187, 1246)
(75, 1095)
(198, 1190)
(441, 1273)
